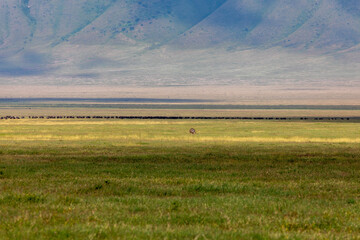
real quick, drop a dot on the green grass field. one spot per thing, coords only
(142, 179)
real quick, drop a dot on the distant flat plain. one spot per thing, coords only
(272, 94)
(113, 105)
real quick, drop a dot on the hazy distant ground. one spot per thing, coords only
(73, 64)
(245, 95)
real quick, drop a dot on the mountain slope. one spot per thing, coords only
(171, 42)
(306, 24)
(52, 22)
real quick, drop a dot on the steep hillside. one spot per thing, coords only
(305, 24)
(49, 23)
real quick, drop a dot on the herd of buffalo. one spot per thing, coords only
(179, 117)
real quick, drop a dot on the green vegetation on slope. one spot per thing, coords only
(152, 180)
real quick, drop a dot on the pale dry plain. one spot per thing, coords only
(281, 94)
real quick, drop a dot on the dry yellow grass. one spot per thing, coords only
(218, 139)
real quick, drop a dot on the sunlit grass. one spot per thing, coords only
(134, 179)
(177, 131)
(182, 138)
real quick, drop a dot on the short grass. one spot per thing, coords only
(146, 179)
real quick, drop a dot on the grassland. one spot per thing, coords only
(146, 179)
(101, 111)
